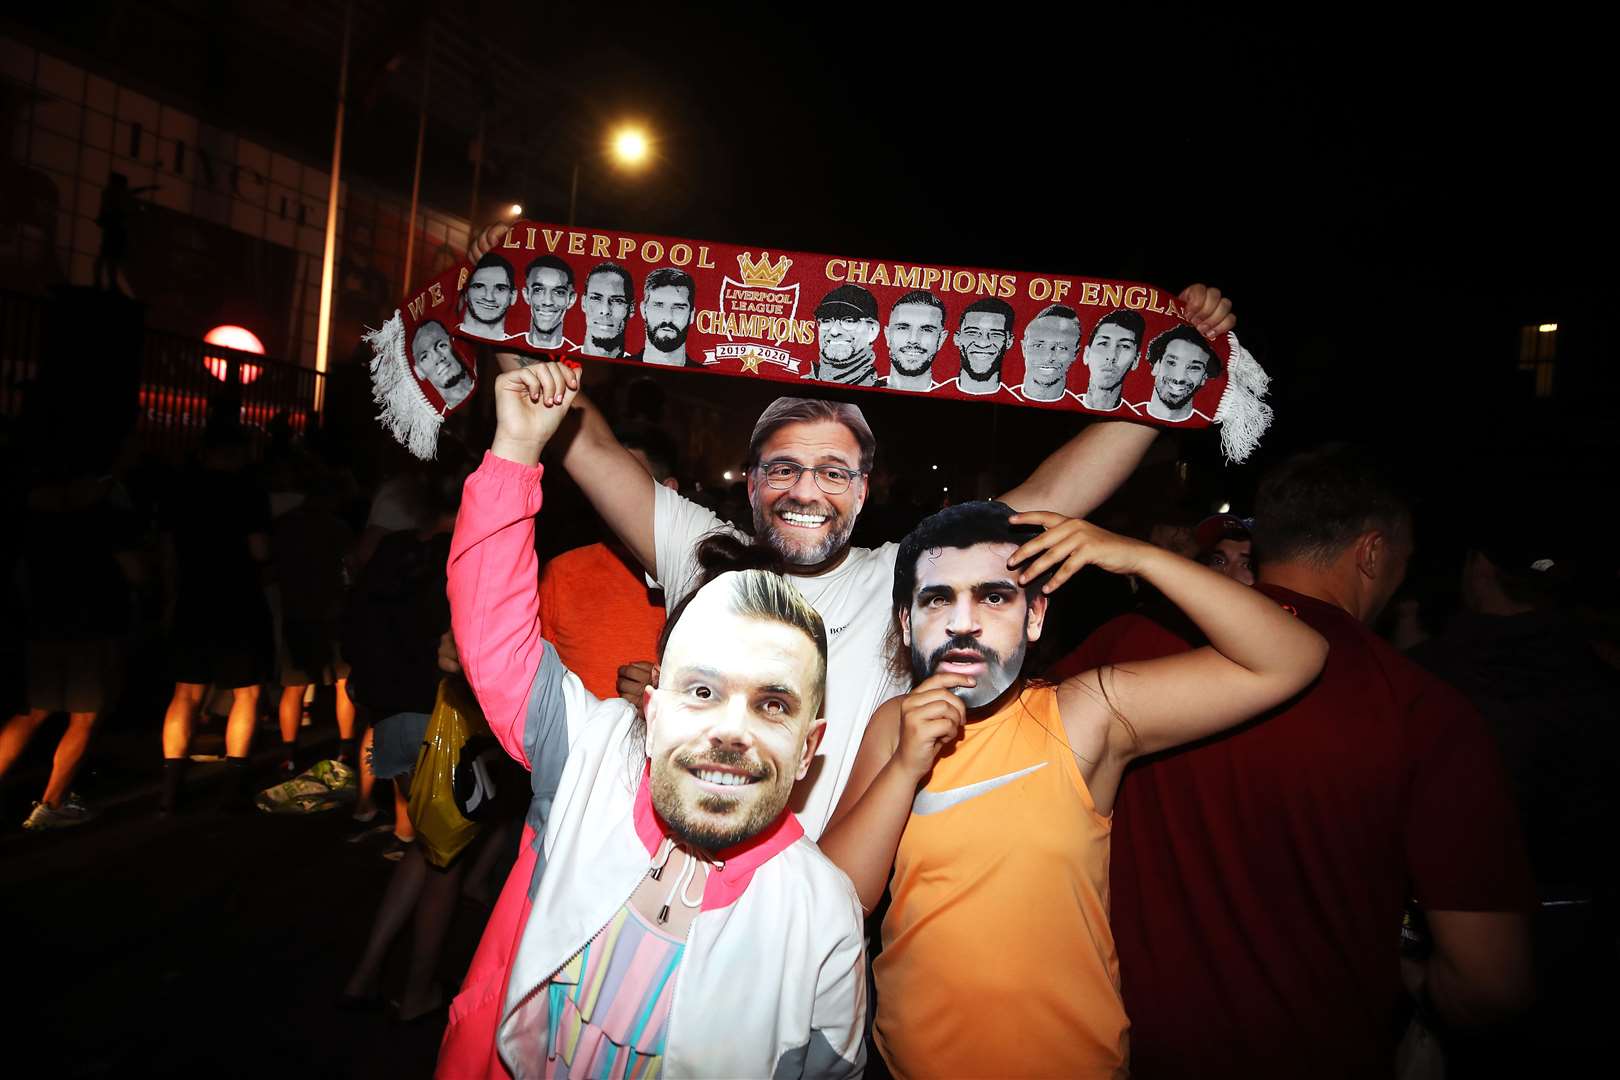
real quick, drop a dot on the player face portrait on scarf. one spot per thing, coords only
(1113, 352)
(1181, 362)
(607, 309)
(1051, 340)
(489, 295)
(915, 333)
(548, 288)
(983, 339)
(434, 361)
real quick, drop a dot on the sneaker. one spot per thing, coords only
(72, 812)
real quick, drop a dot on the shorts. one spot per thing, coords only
(74, 676)
(309, 654)
(396, 743)
(228, 643)
(228, 664)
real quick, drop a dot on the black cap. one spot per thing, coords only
(847, 302)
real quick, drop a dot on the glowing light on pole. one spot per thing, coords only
(630, 146)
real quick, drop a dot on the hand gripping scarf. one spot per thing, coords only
(1113, 349)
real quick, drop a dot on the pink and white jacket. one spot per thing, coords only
(773, 979)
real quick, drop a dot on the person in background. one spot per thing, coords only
(310, 545)
(1260, 876)
(80, 556)
(598, 606)
(1517, 657)
(1225, 544)
(990, 796)
(215, 548)
(396, 615)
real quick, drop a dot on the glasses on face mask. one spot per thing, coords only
(832, 479)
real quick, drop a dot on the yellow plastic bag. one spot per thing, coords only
(441, 828)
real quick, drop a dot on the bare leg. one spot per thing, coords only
(402, 809)
(179, 719)
(478, 885)
(69, 753)
(345, 711)
(290, 712)
(434, 911)
(15, 735)
(399, 901)
(363, 806)
(239, 725)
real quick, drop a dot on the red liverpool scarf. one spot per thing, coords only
(1113, 349)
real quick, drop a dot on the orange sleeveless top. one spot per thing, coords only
(997, 958)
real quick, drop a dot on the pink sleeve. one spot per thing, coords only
(494, 596)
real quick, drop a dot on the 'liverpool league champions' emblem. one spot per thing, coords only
(757, 315)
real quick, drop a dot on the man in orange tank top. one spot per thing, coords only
(990, 797)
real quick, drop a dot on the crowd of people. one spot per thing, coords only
(788, 805)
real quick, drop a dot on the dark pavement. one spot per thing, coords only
(202, 944)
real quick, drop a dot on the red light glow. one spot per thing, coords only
(233, 337)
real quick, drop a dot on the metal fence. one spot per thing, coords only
(182, 381)
(21, 320)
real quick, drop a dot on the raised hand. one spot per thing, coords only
(485, 242)
(1208, 310)
(1069, 544)
(634, 679)
(931, 719)
(530, 404)
(449, 655)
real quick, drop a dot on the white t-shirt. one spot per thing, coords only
(853, 601)
(393, 506)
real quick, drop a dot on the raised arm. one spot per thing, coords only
(493, 570)
(1258, 655)
(619, 488)
(902, 742)
(1088, 468)
(1084, 471)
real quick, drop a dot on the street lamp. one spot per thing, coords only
(628, 146)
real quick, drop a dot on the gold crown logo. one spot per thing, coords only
(761, 271)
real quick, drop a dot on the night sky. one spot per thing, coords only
(1387, 196)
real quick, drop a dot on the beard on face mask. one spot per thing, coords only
(608, 345)
(805, 553)
(993, 371)
(902, 359)
(1175, 396)
(667, 337)
(998, 675)
(744, 815)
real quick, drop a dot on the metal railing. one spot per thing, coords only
(182, 381)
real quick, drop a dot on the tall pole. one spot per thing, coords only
(323, 332)
(416, 177)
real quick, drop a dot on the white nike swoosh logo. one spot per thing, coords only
(932, 802)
